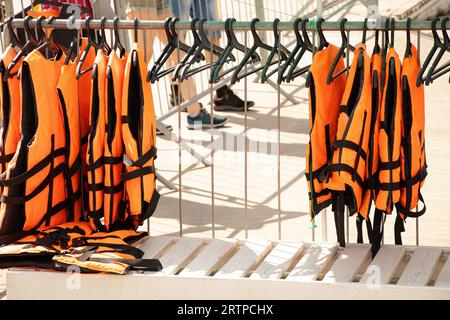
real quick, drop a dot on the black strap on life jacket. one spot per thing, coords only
(378, 229)
(359, 222)
(339, 217)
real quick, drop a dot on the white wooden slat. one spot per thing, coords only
(383, 266)
(278, 260)
(313, 262)
(174, 258)
(209, 257)
(420, 268)
(443, 279)
(348, 263)
(241, 262)
(152, 246)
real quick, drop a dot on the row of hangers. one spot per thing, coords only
(287, 61)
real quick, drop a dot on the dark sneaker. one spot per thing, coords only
(173, 98)
(226, 100)
(203, 120)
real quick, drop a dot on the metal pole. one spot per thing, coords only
(219, 25)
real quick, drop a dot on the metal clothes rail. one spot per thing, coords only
(219, 25)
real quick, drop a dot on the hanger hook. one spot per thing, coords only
(136, 23)
(253, 27)
(408, 30)
(39, 27)
(342, 29)
(386, 31)
(444, 29)
(27, 26)
(323, 41)
(392, 31)
(365, 27)
(115, 24)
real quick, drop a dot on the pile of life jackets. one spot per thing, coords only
(77, 160)
(367, 142)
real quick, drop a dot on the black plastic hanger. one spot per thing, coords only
(300, 45)
(197, 44)
(103, 43)
(134, 58)
(173, 43)
(323, 43)
(445, 45)
(277, 48)
(205, 44)
(117, 43)
(257, 44)
(27, 48)
(50, 42)
(377, 48)
(385, 49)
(408, 52)
(14, 39)
(436, 45)
(91, 43)
(232, 44)
(341, 53)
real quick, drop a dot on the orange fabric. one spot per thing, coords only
(412, 155)
(348, 167)
(324, 106)
(9, 109)
(84, 101)
(113, 193)
(139, 135)
(96, 141)
(372, 153)
(27, 205)
(68, 98)
(390, 135)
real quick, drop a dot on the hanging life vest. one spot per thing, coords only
(139, 134)
(347, 171)
(84, 102)
(324, 106)
(96, 141)
(68, 99)
(390, 136)
(371, 185)
(34, 195)
(113, 154)
(413, 167)
(10, 109)
(37, 249)
(108, 252)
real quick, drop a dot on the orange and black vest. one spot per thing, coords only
(10, 110)
(34, 195)
(371, 185)
(96, 142)
(110, 252)
(113, 155)
(84, 102)
(347, 171)
(389, 137)
(324, 106)
(68, 99)
(412, 153)
(139, 134)
(37, 249)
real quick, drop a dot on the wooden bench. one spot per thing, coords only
(197, 268)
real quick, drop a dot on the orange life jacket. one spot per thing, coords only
(34, 195)
(371, 185)
(390, 135)
(84, 102)
(324, 105)
(413, 161)
(348, 167)
(113, 154)
(96, 142)
(110, 252)
(68, 99)
(139, 134)
(10, 110)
